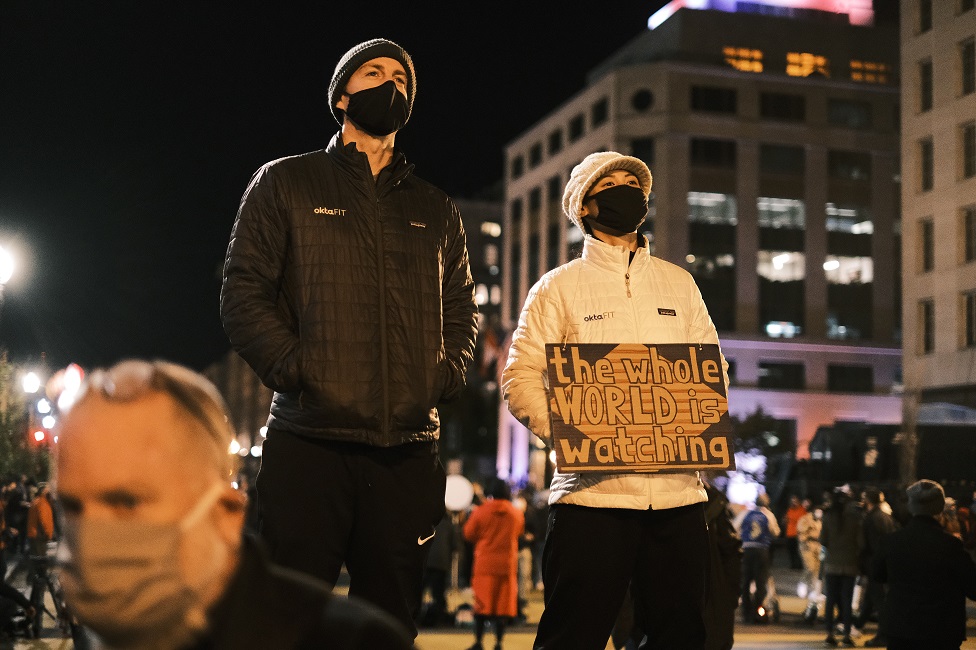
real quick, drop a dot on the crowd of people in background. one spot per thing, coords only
(840, 542)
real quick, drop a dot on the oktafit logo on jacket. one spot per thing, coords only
(592, 317)
(339, 212)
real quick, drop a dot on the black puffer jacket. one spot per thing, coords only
(352, 299)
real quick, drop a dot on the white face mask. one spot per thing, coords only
(123, 578)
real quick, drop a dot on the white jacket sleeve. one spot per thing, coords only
(524, 379)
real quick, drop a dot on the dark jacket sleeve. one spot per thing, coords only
(460, 310)
(252, 284)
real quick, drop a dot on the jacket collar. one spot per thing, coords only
(355, 163)
(614, 258)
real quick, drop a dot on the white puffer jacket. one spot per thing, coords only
(600, 298)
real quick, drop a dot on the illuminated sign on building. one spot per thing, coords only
(859, 12)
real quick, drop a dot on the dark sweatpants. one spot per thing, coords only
(324, 503)
(593, 554)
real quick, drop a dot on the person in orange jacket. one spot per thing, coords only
(40, 522)
(494, 528)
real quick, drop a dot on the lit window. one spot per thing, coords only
(848, 270)
(745, 59)
(781, 266)
(803, 64)
(481, 294)
(869, 72)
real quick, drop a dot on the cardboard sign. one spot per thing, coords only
(638, 408)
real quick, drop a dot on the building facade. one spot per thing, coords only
(938, 71)
(773, 141)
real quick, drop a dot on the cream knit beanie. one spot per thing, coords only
(593, 168)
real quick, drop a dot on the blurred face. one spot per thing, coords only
(135, 463)
(373, 73)
(614, 178)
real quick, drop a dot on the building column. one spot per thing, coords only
(884, 210)
(815, 242)
(671, 200)
(508, 286)
(747, 237)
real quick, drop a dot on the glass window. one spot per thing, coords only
(517, 167)
(554, 189)
(804, 64)
(781, 292)
(967, 66)
(781, 266)
(926, 241)
(925, 86)
(926, 157)
(782, 106)
(926, 329)
(924, 15)
(849, 113)
(643, 148)
(516, 266)
(535, 201)
(967, 133)
(781, 159)
(709, 152)
(848, 270)
(743, 58)
(853, 219)
(576, 128)
(849, 165)
(642, 100)
(713, 99)
(781, 375)
(850, 379)
(599, 112)
(969, 306)
(535, 155)
(869, 72)
(710, 207)
(555, 142)
(969, 233)
(516, 208)
(781, 213)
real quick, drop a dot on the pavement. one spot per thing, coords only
(789, 633)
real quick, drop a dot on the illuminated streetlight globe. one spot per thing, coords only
(6, 265)
(31, 382)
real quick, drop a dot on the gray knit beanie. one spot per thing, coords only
(926, 498)
(360, 54)
(593, 168)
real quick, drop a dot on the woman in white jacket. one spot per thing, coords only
(608, 530)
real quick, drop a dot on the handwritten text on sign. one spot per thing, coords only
(638, 408)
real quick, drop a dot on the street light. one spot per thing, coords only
(6, 271)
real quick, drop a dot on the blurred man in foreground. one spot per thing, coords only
(153, 552)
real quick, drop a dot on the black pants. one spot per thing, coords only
(839, 590)
(593, 554)
(327, 503)
(755, 568)
(874, 603)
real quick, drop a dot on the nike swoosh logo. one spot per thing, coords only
(423, 540)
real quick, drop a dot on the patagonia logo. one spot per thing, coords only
(592, 317)
(334, 211)
(666, 312)
(418, 224)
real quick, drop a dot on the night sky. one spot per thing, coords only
(129, 131)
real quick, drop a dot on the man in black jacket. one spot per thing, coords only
(929, 577)
(152, 553)
(347, 289)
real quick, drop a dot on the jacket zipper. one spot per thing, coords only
(381, 282)
(627, 282)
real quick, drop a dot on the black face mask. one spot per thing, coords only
(620, 210)
(379, 111)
